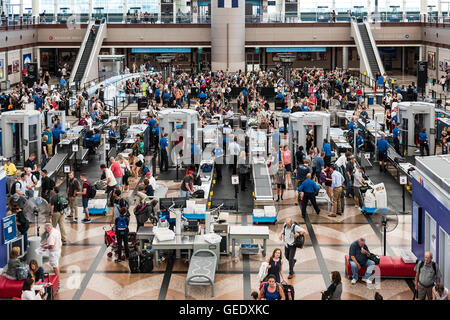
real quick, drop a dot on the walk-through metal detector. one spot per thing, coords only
(182, 127)
(21, 135)
(413, 116)
(302, 123)
(60, 114)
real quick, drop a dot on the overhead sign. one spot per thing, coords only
(297, 49)
(9, 228)
(160, 50)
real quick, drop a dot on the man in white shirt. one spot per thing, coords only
(341, 162)
(337, 185)
(234, 149)
(53, 244)
(111, 181)
(31, 182)
(288, 235)
(151, 179)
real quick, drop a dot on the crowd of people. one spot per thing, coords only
(211, 94)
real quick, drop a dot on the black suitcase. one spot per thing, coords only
(133, 262)
(400, 160)
(198, 194)
(146, 262)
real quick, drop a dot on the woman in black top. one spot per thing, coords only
(275, 267)
(121, 229)
(36, 272)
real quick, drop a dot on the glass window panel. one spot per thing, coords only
(47, 5)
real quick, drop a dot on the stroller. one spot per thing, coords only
(111, 241)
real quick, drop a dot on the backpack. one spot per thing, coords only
(422, 263)
(145, 170)
(121, 223)
(146, 262)
(52, 184)
(300, 240)
(206, 167)
(13, 187)
(61, 203)
(91, 192)
(198, 194)
(133, 262)
(22, 273)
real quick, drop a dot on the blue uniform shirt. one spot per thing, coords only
(319, 164)
(351, 126)
(382, 145)
(163, 144)
(308, 186)
(396, 132)
(157, 92)
(112, 133)
(359, 141)
(57, 132)
(327, 149)
(394, 119)
(152, 123)
(423, 136)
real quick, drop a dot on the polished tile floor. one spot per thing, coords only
(87, 272)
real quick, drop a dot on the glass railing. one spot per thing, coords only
(187, 18)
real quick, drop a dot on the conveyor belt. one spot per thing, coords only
(55, 164)
(262, 182)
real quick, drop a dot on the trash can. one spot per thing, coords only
(34, 244)
(379, 98)
(370, 99)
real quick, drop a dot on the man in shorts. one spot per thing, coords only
(53, 244)
(84, 197)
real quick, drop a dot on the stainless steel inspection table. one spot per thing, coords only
(145, 233)
(248, 232)
(179, 243)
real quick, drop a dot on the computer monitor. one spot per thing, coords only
(165, 203)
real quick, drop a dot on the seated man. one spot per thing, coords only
(359, 257)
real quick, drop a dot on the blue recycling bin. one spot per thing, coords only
(370, 99)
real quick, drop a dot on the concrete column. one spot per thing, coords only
(423, 8)
(228, 37)
(91, 8)
(265, 11)
(194, 11)
(421, 50)
(403, 60)
(404, 10)
(283, 10)
(299, 17)
(333, 58)
(344, 58)
(439, 9)
(55, 8)
(376, 12)
(437, 64)
(35, 8)
(159, 11)
(112, 51)
(369, 10)
(73, 7)
(333, 5)
(21, 8)
(124, 11)
(174, 18)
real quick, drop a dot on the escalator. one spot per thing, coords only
(85, 69)
(86, 54)
(367, 49)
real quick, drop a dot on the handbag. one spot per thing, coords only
(374, 258)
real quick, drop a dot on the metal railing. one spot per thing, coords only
(189, 18)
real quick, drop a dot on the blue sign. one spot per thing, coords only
(407, 36)
(380, 81)
(299, 49)
(160, 50)
(9, 228)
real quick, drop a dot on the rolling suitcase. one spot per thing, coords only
(146, 262)
(133, 262)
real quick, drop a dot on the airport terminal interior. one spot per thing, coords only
(224, 150)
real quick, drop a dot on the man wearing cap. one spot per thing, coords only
(187, 185)
(151, 179)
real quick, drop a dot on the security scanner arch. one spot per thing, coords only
(182, 127)
(302, 123)
(21, 134)
(413, 116)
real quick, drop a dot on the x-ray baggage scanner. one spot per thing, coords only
(21, 135)
(302, 123)
(181, 125)
(413, 117)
